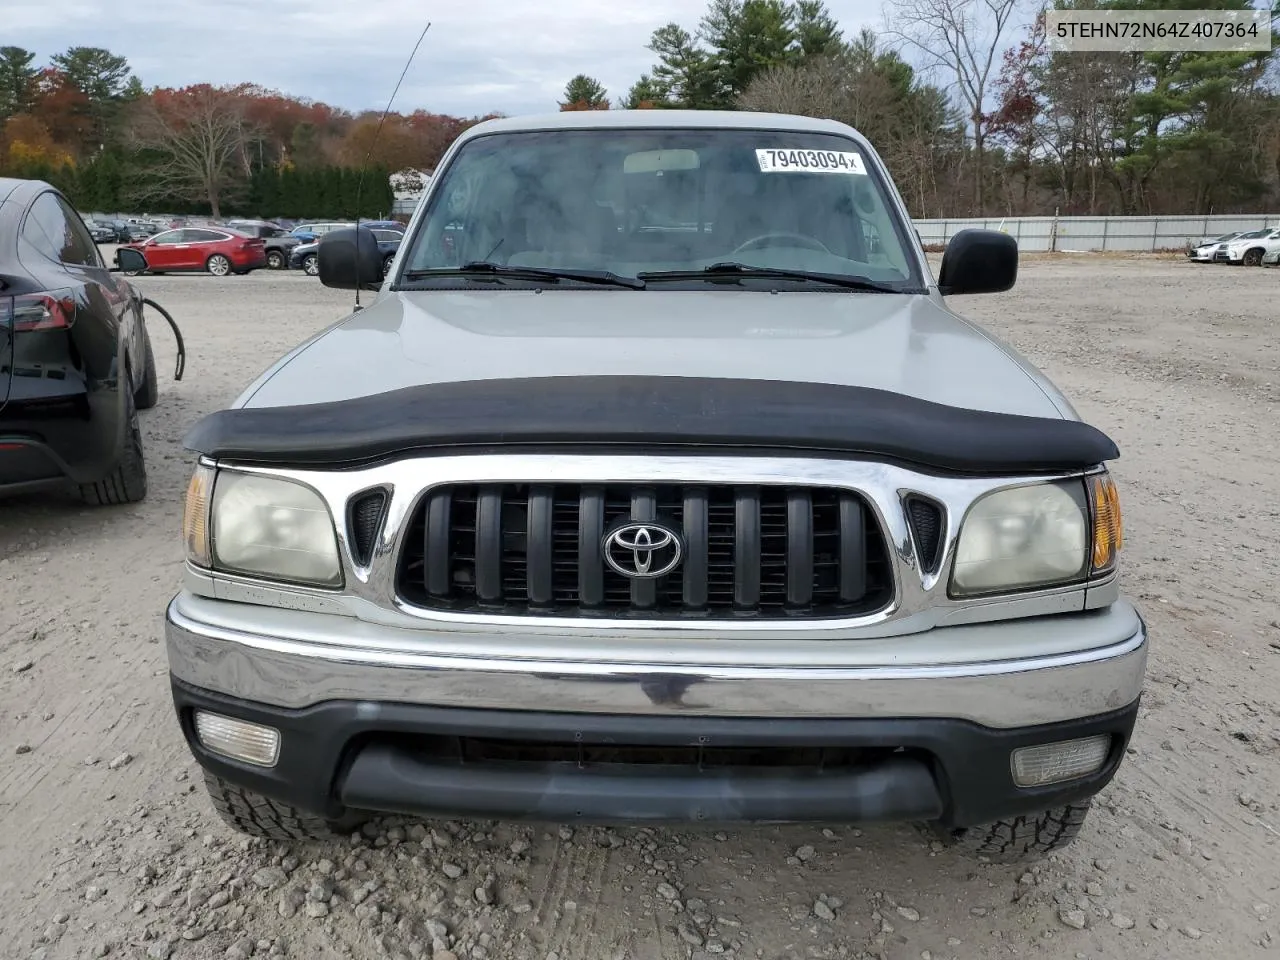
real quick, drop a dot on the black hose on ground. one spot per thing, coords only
(182, 348)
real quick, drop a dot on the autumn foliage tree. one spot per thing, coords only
(83, 122)
(29, 144)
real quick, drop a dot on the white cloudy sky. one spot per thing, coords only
(512, 56)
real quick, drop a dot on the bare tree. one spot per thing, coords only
(819, 88)
(198, 136)
(874, 91)
(962, 37)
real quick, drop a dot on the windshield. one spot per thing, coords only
(659, 201)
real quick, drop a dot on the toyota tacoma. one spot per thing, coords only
(657, 481)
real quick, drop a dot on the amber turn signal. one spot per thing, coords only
(195, 516)
(1108, 529)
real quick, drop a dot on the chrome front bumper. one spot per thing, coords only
(294, 659)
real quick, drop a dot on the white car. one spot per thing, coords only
(1202, 252)
(1249, 248)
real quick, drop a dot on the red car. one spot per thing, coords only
(218, 250)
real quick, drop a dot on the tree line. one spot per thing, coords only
(86, 123)
(976, 116)
(973, 113)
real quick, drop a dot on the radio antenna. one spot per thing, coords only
(378, 132)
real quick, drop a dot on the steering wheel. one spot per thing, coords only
(809, 243)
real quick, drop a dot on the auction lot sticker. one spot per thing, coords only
(810, 161)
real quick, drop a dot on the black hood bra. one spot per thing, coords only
(653, 412)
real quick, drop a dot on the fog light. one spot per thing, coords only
(1055, 762)
(249, 742)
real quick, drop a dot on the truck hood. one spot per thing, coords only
(908, 344)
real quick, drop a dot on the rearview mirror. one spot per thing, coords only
(656, 161)
(349, 259)
(978, 261)
(129, 260)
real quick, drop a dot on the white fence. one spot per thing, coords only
(1137, 234)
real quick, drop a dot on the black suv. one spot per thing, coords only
(278, 241)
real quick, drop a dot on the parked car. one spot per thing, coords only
(143, 227)
(277, 241)
(1203, 250)
(306, 256)
(120, 230)
(101, 232)
(310, 232)
(216, 250)
(1249, 248)
(303, 257)
(581, 522)
(76, 363)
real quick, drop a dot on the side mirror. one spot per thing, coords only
(129, 260)
(349, 259)
(978, 261)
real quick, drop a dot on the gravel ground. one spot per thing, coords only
(109, 846)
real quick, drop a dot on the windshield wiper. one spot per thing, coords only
(732, 271)
(486, 268)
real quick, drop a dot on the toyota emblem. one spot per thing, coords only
(643, 550)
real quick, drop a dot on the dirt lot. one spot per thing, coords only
(109, 846)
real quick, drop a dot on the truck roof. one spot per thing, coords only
(692, 119)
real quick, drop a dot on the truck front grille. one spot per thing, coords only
(745, 551)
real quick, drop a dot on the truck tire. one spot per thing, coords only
(127, 483)
(1028, 837)
(258, 816)
(148, 393)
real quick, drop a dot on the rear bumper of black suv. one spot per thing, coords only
(428, 761)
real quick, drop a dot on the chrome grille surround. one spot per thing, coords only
(919, 598)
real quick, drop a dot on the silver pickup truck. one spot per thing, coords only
(657, 481)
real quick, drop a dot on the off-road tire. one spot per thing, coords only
(1253, 258)
(258, 816)
(148, 393)
(275, 260)
(127, 483)
(218, 271)
(1028, 837)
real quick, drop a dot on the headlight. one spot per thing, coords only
(260, 526)
(1023, 537)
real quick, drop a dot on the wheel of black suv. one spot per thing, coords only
(275, 259)
(260, 816)
(311, 265)
(1028, 837)
(127, 483)
(149, 390)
